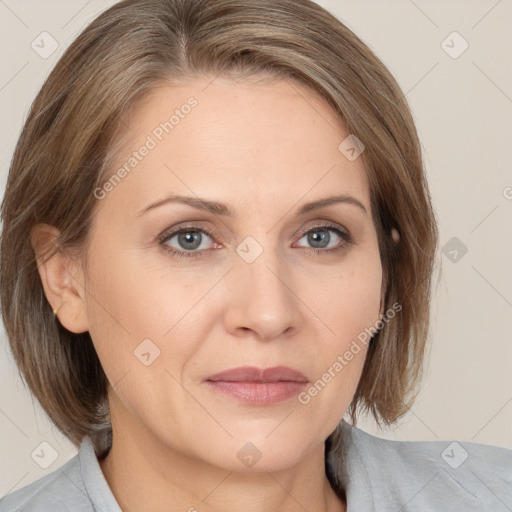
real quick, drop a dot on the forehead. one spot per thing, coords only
(241, 142)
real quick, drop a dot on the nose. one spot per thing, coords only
(262, 302)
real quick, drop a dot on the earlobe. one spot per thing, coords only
(59, 274)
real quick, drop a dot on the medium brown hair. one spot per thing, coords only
(67, 141)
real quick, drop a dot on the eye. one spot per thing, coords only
(192, 240)
(189, 239)
(320, 238)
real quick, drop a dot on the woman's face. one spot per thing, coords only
(243, 290)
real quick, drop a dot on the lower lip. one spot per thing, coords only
(259, 393)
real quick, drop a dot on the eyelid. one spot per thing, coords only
(325, 225)
(190, 226)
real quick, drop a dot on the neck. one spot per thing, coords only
(144, 474)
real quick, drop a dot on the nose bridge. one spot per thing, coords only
(263, 301)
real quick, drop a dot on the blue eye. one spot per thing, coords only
(320, 238)
(190, 240)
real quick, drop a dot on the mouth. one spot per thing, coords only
(258, 386)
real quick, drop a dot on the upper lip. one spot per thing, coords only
(254, 374)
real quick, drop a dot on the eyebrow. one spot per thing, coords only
(221, 209)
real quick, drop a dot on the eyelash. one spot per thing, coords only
(166, 236)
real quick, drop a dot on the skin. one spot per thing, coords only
(263, 149)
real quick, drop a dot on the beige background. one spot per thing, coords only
(463, 110)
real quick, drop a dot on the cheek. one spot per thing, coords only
(350, 308)
(136, 307)
(354, 296)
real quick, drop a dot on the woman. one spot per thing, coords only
(218, 238)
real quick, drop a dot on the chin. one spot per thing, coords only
(254, 454)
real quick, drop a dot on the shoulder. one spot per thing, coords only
(60, 491)
(77, 486)
(431, 475)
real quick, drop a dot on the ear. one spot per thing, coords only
(62, 278)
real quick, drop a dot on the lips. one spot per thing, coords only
(253, 374)
(256, 386)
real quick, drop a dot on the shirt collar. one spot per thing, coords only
(95, 483)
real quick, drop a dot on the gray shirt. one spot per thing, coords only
(376, 475)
